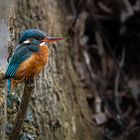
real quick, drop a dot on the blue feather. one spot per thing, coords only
(21, 53)
(9, 86)
(32, 33)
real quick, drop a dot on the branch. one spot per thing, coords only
(28, 90)
(116, 92)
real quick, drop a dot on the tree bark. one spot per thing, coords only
(6, 28)
(59, 102)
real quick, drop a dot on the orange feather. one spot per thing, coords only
(31, 67)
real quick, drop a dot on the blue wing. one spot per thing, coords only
(21, 53)
(9, 86)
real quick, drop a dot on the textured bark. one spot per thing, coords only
(6, 28)
(59, 103)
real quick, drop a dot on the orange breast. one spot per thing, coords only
(33, 65)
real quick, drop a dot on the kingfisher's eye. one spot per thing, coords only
(39, 38)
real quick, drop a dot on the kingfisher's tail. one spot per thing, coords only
(9, 86)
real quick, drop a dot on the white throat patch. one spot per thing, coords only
(43, 44)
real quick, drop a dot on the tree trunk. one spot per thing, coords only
(6, 28)
(59, 103)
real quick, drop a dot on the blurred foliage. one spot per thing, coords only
(105, 35)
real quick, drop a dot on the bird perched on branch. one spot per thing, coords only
(29, 57)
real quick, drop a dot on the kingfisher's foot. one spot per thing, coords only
(29, 80)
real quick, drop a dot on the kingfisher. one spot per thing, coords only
(29, 57)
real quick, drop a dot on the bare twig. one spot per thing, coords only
(105, 8)
(117, 83)
(101, 52)
(129, 11)
(28, 90)
(129, 7)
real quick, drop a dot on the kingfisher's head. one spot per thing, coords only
(30, 34)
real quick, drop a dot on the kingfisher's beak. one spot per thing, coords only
(52, 39)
